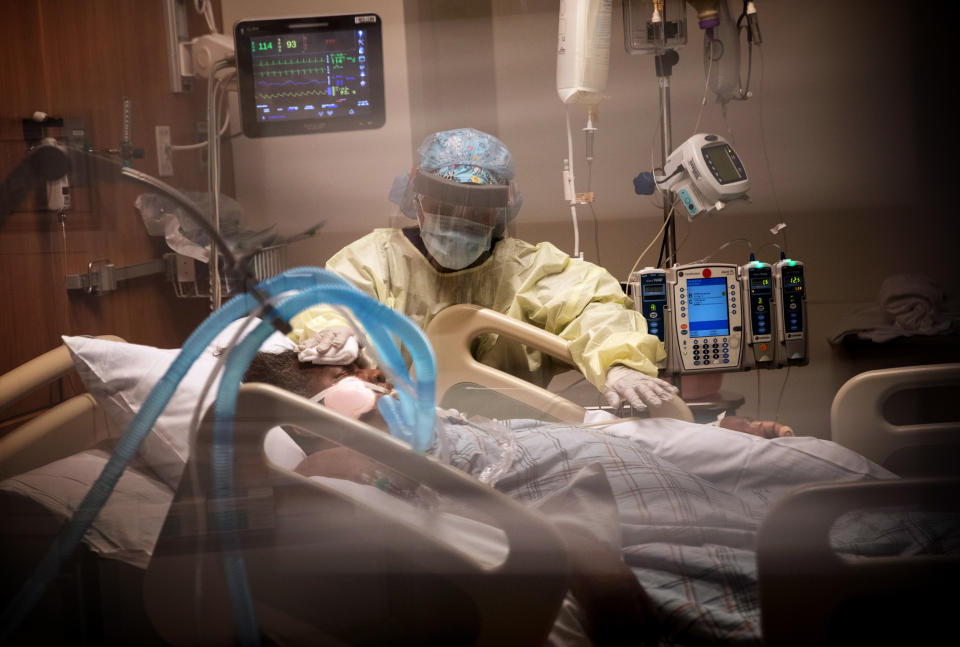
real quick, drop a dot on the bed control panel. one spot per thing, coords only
(706, 319)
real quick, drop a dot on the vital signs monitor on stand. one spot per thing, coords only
(310, 75)
(705, 173)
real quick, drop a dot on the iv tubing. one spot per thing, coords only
(573, 196)
(657, 235)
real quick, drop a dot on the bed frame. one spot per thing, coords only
(66, 428)
(809, 595)
(390, 576)
(453, 330)
(413, 565)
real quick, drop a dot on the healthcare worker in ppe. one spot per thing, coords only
(462, 194)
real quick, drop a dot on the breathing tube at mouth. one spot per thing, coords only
(72, 533)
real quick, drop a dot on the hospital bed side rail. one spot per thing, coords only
(292, 527)
(857, 420)
(811, 595)
(451, 333)
(64, 429)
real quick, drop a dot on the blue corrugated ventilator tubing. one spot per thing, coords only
(408, 422)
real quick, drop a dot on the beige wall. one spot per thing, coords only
(837, 140)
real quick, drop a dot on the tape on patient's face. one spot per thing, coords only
(351, 396)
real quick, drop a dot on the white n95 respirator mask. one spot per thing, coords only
(351, 396)
(455, 243)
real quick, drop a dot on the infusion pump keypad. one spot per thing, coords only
(705, 354)
(708, 318)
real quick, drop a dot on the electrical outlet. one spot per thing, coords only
(164, 152)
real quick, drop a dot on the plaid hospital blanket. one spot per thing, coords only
(688, 538)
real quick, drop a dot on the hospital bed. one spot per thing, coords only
(874, 600)
(391, 576)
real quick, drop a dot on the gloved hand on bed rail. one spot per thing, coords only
(637, 389)
(333, 345)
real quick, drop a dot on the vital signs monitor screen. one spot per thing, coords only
(720, 160)
(310, 75)
(707, 307)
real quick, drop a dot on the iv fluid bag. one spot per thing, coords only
(724, 50)
(583, 50)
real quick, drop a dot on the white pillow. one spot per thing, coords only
(120, 376)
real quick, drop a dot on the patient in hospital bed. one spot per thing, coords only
(675, 505)
(671, 505)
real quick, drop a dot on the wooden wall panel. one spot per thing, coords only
(78, 60)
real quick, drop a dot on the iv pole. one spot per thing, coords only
(664, 65)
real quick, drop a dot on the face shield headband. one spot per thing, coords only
(480, 196)
(506, 198)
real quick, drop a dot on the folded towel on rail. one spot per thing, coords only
(908, 305)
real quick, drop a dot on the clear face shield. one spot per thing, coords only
(458, 220)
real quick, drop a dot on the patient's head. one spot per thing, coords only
(326, 458)
(308, 380)
(286, 371)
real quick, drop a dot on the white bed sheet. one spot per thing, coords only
(759, 470)
(690, 500)
(129, 524)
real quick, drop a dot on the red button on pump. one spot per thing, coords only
(707, 273)
(683, 326)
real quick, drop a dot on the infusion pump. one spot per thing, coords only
(722, 317)
(707, 319)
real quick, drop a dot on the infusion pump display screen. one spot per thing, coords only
(724, 163)
(707, 307)
(654, 290)
(310, 75)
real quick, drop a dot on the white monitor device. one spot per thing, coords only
(706, 319)
(705, 173)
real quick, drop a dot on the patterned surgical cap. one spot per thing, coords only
(463, 155)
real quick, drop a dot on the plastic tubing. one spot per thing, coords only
(414, 423)
(72, 533)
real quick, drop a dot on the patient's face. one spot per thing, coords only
(336, 461)
(328, 376)
(287, 372)
(323, 377)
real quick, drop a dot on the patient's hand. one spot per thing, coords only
(344, 463)
(762, 428)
